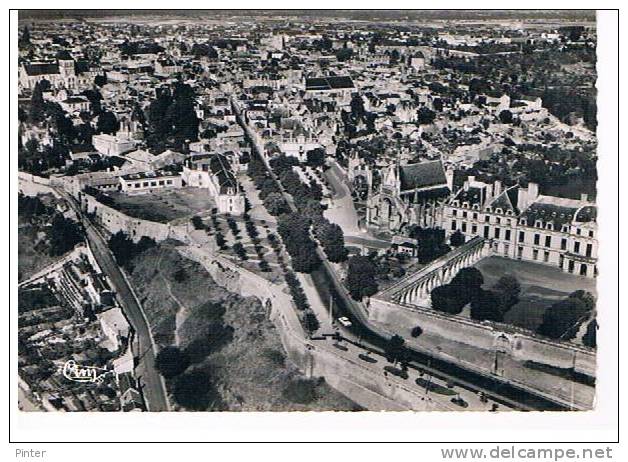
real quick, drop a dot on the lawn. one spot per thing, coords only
(164, 206)
(541, 286)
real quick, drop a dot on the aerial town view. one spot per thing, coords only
(241, 210)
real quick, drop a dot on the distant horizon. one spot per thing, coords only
(363, 15)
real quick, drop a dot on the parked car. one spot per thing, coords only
(397, 372)
(459, 402)
(344, 321)
(367, 358)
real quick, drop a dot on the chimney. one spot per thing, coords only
(533, 192)
(527, 196)
(497, 188)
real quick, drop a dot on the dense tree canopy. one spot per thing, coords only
(124, 249)
(171, 361)
(361, 277)
(107, 123)
(172, 119)
(563, 318)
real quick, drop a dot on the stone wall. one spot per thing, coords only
(32, 185)
(114, 220)
(475, 346)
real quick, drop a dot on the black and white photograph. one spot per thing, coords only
(387, 211)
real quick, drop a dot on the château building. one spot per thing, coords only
(214, 173)
(522, 224)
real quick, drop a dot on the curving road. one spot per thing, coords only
(150, 382)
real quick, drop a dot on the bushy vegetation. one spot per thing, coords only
(294, 230)
(171, 361)
(431, 243)
(172, 119)
(464, 287)
(361, 277)
(563, 319)
(125, 250)
(62, 233)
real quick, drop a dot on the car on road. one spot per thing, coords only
(341, 347)
(367, 358)
(397, 372)
(345, 321)
(458, 401)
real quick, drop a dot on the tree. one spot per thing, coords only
(344, 54)
(100, 80)
(311, 322)
(291, 181)
(107, 123)
(25, 38)
(590, 336)
(316, 157)
(357, 106)
(394, 349)
(394, 57)
(197, 222)
(37, 106)
(95, 97)
(508, 290)
(361, 277)
(331, 238)
(467, 282)
(240, 251)
(276, 204)
(195, 390)
(431, 243)
(562, 319)
(171, 361)
(505, 117)
(425, 116)
(457, 238)
(304, 257)
(447, 299)
(172, 118)
(485, 307)
(65, 128)
(124, 249)
(585, 297)
(63, 234)
(416, 331)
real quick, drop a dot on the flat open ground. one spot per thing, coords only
(541, 286)
(166, 205)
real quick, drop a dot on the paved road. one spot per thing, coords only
(150, 381)
(328, 284)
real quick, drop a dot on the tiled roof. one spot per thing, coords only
(41, 69)
(422, 175)
(329, 83)
(219, 166)
(557, 214)
(507, 200)
(473, 196)
(586, 214)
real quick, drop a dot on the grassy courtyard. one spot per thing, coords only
(541, 286)
(164, 206)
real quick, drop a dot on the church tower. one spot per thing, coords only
(391, 177)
